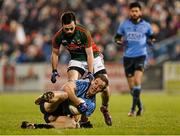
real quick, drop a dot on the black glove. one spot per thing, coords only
(82, 108)
(90, 76)
(54, 75)
(107, 116)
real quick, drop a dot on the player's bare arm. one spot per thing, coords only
(54, 58)
(105, 97)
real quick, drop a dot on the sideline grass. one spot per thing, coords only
(162, 116)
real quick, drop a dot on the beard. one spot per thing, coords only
(69, 35)
(135, 18)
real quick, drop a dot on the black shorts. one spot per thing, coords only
(133, 64)
(62, 110)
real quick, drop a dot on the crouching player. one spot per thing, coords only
(55, 105)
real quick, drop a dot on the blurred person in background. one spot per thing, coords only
(41, 17)
(176, 54)
(133, 34)
(85, 57)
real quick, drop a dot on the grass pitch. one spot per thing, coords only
(161, 116)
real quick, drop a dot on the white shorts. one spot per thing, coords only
(82, 66)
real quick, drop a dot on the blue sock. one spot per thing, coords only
(136, 97)
(139, 104)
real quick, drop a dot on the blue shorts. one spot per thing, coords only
(62, 110)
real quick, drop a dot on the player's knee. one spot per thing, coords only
(67, 89)
(52, 118)
(65, 95)
(137, 81)
(62, 96)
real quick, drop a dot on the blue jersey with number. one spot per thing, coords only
(81, 89)
(135, 36)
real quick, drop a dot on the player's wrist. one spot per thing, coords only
(54, 70)
(54, 75)
(103, 109)
(90, 76)
(82, 107)
(105, 105)
(90, 72)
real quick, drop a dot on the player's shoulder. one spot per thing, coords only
(82, 81)
(82, 28)
(59, 33)
(146, 22)
(125, 23)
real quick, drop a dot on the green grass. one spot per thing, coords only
(161, 116)
(172, 86)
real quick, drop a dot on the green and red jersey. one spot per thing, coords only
(76, 43)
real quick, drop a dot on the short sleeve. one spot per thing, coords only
(120, 29)
(149, 29)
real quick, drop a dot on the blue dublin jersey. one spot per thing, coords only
(135, 36)
(81, 89)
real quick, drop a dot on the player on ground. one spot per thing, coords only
(135, 33)
(55, 105)
(85, 56)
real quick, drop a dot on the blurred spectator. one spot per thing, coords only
(26, 26)
(176, 55)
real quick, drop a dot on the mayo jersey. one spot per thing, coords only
(76, 43)
(81, 89)
(135, 36)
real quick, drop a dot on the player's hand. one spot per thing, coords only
(119, 42)
(107, 116)
(54, 75)
(82, 107)
(90, 76)
(151, 41)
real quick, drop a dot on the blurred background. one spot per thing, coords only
(27, 26)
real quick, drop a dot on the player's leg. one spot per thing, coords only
(139, 70)
(130, 81)
(73, 75)
(137, 91)
(60, 122)
(51, 100)
(30, 125)
(129, 72)
(65, 122)
(131, 85)
(75, 70)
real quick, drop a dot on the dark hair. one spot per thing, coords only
(68, 17)
(103, 78)
(134, 5)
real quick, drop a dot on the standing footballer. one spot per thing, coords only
(135, 34)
